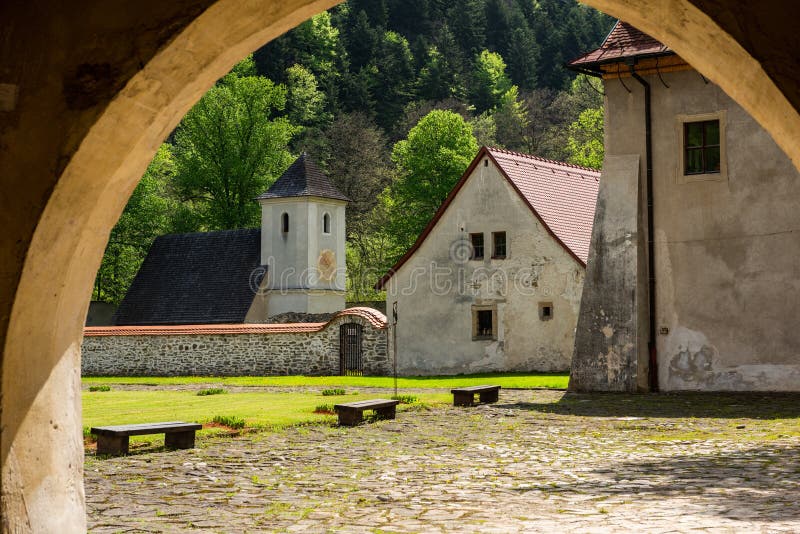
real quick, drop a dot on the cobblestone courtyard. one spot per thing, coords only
(537, 461)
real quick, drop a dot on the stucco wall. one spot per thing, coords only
(726, 248)
(240, 354)
(435, 294)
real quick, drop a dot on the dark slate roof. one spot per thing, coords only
(198, 278)
(624, 41)
(303, 179)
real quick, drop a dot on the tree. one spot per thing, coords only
(305, 104)
(429, 163)
(511, 121)
(230, 147)
(392, 86)
(585, 142)
(146, 216)
(490, 81)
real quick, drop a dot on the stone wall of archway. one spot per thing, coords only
(87, 93)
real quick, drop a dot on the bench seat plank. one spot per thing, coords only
(115, 439)
(466, 396)
(352, 413)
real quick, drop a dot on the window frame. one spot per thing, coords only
(284, 223)
(326, 223)
(680, 133)
(476, 308)
(495, 255)
(474, 255)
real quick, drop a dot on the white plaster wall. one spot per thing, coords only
(293, 258)
(728, 280)
(435, 294)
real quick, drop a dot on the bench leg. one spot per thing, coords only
(179, 440)
(490, 396)
(112, 445)
(463, 399)
(386, 413)
(350, 417)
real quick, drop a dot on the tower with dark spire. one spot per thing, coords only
(303, 241)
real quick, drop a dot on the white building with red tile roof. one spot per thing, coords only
(494, 281)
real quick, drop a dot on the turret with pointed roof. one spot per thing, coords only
(303, 178)
(303, 241)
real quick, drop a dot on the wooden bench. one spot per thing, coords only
(114, 439)
(466, 396)
(352, 413)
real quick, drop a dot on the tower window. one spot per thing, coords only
(326, 224)
(545, 311)
(285, 223)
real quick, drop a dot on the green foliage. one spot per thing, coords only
(231, 421)
(429, 163)
(210, 391)
(490, 81)
(405, 399)
(230, 147)
(324, 408)
(333, 392)
(585, 141)
(305, 104)
(100, 388)
(146, 216)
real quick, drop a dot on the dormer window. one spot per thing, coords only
(285, 223)
(326, 224)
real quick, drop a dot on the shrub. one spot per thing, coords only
(331, 392)
(231, 421)
(100, 388)
(324, 408)
(405, 399)
(210, 391)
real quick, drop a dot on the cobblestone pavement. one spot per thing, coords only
(537, 461)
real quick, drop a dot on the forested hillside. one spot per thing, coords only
(392, 98)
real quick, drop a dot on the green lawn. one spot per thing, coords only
(260, 410)
(507, 380)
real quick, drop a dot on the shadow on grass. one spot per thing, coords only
(700, 405)
(754, 483)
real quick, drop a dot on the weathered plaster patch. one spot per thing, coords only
(607, 331)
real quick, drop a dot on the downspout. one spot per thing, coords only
(651, 336)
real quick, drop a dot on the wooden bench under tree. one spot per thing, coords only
(466, 396)
(352, 413)
(114, 439)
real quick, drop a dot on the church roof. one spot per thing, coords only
(198, 278)
(561, 195)
(624, 41)
(303, 179)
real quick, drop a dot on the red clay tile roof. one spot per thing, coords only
(624, 41)
(374, 317)
(561, 195)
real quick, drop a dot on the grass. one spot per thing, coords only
(209, 391)
(333, 392)
(258, 410)
(231, 421)
(506, 380)
(103, 387)
(405, 399)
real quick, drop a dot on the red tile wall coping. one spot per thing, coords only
(374, 317)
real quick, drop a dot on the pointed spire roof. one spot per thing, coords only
(303, 179)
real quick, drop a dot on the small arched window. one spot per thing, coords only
(326, 224)
(285, 223)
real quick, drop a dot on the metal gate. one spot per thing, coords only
(351, 362)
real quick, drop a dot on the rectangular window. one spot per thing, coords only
(477, 246)
(701, 145)
(498, 244)
(545, 311)
(484, 322)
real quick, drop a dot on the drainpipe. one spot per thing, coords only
(651, 266)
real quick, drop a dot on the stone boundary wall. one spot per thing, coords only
(232, 350)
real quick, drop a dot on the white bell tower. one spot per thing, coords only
(303, 241)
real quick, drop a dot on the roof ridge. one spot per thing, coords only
(211, 232)
(543, 160)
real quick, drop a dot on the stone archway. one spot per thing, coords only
(76, 141)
